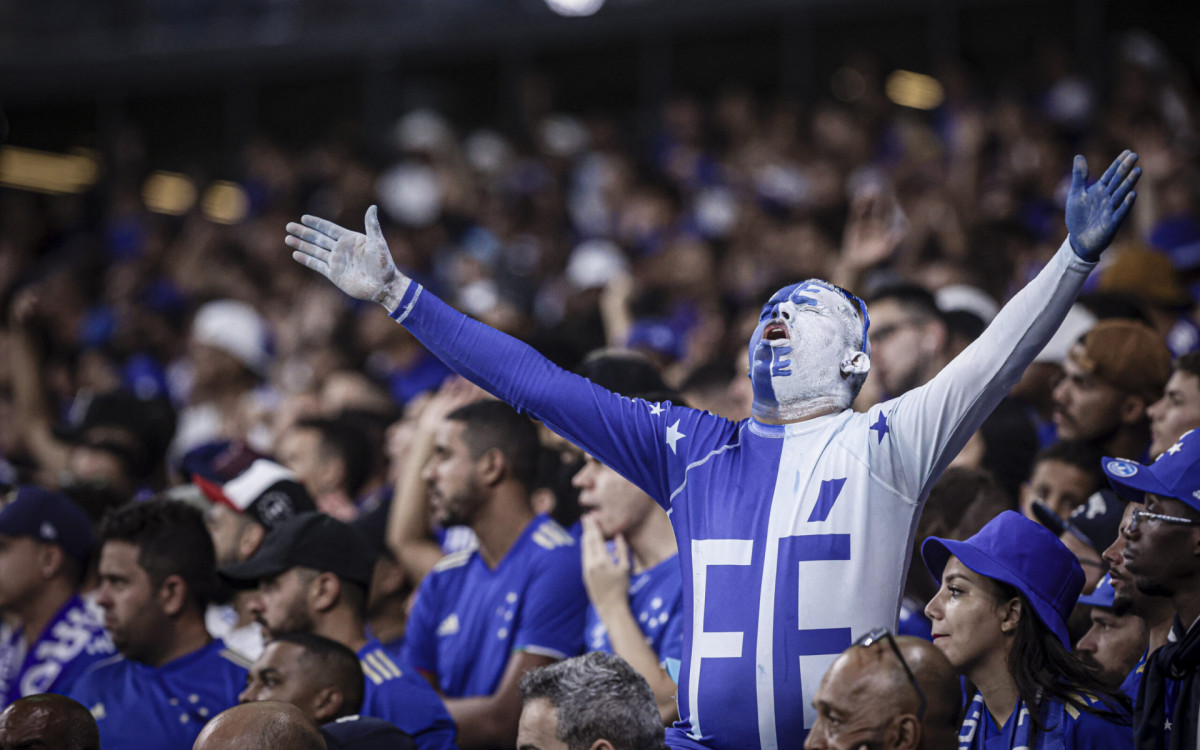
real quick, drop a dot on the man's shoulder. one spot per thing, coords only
(453, 561)
(103, 672)
(546, 536)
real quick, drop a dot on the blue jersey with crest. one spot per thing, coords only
(793, 540)
(656, 600)
(138, 706)
(469, 619)
(71, 642)
(396, 693)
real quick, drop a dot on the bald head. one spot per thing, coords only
(867, 698)
(48, 721)
(265, 725)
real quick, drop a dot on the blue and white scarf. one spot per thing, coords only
(1050, 738)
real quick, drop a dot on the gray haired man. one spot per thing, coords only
(592, 702)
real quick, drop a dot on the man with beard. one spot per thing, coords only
(1162, 554)
(1115, 642)
(486, 616)
(171, 677)
(780, 516)
(313, 573)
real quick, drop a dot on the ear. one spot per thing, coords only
(324, 592)
(1133, 409)
(601, 745)
(1010, 615)
(250, 540)
(858, 364)
(905, 733)
(491, 467)
(327, 703)
(543, 500)
(50, 559)
(933, 340)
(172, 595)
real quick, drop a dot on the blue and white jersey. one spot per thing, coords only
(1069, 728)
(396, 693)
(468, 619)
(793, 540)
(138, 706)
(656, 600)
(72, 641)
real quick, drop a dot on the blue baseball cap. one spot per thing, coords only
(1103, 596)
(49, 517)
(1175, 473)
(1096, 523)
(1024, 554)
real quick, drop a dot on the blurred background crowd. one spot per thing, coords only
(636, 185)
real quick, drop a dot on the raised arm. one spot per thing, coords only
(933, 422)
(630, 436)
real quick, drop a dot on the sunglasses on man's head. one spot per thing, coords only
(883, 634)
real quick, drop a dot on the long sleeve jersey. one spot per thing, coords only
(794, 539)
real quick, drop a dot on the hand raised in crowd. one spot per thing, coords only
(1094, 213)
(606, 578)
(359, 264)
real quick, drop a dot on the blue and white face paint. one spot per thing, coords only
(809, 343)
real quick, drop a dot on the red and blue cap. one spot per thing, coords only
(1025, 555)
(1175, 473)
(49, 517)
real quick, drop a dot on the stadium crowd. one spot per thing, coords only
(230, 483)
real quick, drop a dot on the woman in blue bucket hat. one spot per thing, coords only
(1000, 617)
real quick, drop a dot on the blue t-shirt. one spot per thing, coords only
(396, 693)
(656, 600)
(72, 641)
(1133, 681)
(469, 619)
(138, 706)
(792, 538)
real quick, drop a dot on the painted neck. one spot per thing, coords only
(797, 411)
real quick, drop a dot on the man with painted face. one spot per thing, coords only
(780, 516)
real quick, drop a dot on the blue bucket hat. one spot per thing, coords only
(1024, 554)
(1175, 473)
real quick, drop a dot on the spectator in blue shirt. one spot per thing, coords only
(313, 573)
(485, 617)
(45, 542)
(171, 677)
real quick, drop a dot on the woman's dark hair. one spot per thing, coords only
(1044, 669)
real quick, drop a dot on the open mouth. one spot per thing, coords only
(775, 331)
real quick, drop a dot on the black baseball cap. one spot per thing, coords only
(365, 733)
(1096, 523)
(50, 517)
(309, 540)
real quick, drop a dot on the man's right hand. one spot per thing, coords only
(359, 264)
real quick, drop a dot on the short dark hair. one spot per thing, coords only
(1188, 363)
(172, 540)
(1077, 453)
(347, 442)
(80, 726)
(914, 298)
(333, 662)
(496, 425)
(598, 696)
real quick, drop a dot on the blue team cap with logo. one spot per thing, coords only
(1103, 596)
(1025, 555)
(49, 517)
(1175, 473)
(364, 733)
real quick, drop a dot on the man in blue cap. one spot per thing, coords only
(45, 541)
(1162, 553)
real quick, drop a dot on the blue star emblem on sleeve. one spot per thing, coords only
(881, 426)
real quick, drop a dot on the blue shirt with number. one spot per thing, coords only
(793, 540)
(469, 619)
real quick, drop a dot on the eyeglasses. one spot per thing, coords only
(1138, 514)
(873, 637)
